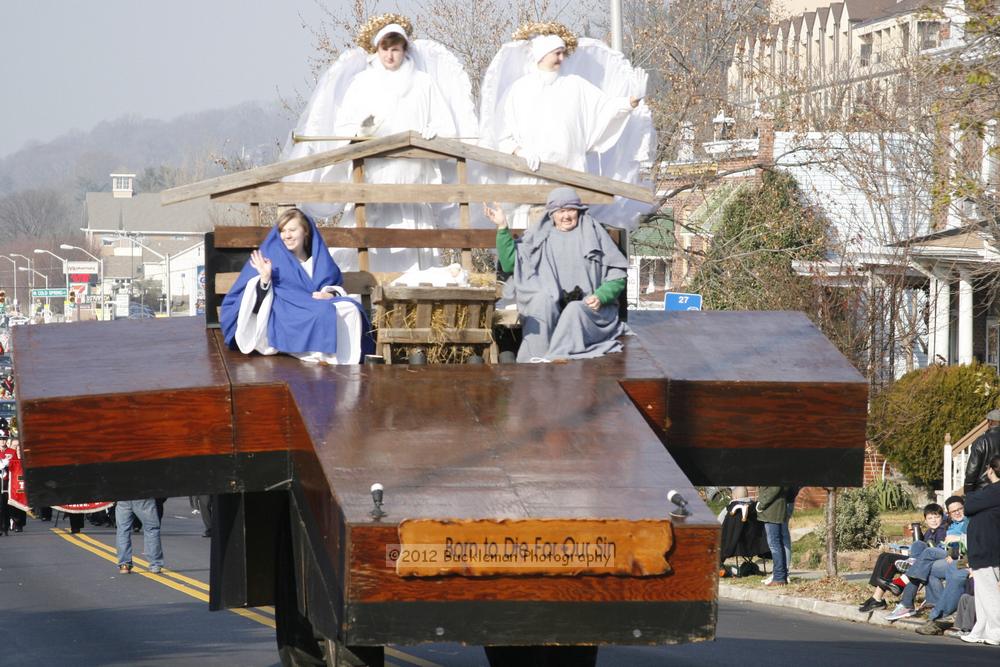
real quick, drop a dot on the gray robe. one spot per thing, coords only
(549, 261)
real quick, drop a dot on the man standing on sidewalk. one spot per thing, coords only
(982, 450)
(125, 513)
(774, 504)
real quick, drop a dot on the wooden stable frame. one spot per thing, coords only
(228, 247)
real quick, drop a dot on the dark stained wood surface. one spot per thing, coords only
(741, 346)
(516, 441)
(588, 439)
(137, 390)
(126, 356)
(694, 561)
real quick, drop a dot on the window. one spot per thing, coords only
(866, 50)
(928, 35)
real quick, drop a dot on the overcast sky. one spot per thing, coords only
(69, 64)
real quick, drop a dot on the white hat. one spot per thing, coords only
(387, 30)
(545, 44)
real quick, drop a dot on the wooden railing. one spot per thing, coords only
(956, 456)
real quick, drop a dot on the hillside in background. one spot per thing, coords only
(185, 147)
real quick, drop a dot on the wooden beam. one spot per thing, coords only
(409, 143)
(463, 211)
(354, 282)
(358, 178)
(552, 172)
(369, 237)
(362, 193)
(277, 171)
(394, 293)
(426, 335)
(416, 154)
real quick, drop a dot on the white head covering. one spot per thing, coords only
(545, 44)
(387, 30)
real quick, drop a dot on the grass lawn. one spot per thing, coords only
(893, 523)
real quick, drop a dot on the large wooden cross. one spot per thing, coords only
(529, 454)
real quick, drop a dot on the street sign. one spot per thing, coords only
(85, 266)
(681, 301)
(48, 292)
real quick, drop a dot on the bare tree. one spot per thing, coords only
(34, 214)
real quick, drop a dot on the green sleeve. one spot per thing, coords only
(766, 495)
(608, 292)
(506, 250)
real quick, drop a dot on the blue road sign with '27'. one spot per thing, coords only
(681, 301)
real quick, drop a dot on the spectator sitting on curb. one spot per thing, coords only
(934, 535)
(883, 580)
(938, 568)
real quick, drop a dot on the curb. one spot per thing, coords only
(839, 610)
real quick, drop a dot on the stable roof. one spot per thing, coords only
(265, 184)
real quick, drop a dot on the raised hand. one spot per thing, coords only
(495, 215)
(262, 265)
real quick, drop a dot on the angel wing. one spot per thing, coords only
(611, 71)
(451, 78)
(511, 62)
(320, 114)
(317, 120)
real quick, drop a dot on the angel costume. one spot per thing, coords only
(284, 317)
(579, 116)
(358, 96)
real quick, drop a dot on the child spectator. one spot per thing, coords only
(935, 534)
(884, 579)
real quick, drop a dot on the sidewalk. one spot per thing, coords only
(841, 610)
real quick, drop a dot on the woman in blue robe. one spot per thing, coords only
(288, 299)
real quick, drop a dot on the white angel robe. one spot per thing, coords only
(559, 118)
(381, 102)
(251, 327)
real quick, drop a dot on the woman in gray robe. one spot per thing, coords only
(567, 275)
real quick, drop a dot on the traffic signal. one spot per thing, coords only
(3, 297)
(72, 298)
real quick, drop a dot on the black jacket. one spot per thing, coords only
(983, 449)
(983, 539)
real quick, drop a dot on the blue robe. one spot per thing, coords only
(298, 323)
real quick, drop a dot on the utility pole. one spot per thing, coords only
(616, 25)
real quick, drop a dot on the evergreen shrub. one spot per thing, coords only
(858, 525)
(909, 419)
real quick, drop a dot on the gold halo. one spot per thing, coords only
(529, 30)
(371, 27)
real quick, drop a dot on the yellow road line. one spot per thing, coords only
(175, 575)
(406, 657)
(102, 550)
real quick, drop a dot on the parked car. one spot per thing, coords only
(140, 311)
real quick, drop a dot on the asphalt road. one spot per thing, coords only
(63, 602)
